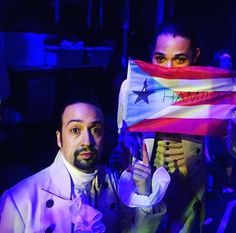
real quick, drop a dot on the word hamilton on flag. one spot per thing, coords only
(193, 100)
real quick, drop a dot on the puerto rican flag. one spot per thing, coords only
(191, 100)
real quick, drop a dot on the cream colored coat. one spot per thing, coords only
(41, 203)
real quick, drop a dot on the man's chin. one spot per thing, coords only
(85, 165)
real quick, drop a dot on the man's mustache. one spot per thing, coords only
(85, 149)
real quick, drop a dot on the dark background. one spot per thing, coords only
(213, 19)
(39, 90)
(127, 27)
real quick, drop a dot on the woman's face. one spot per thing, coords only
(173, 51)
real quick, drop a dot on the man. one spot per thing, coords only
(76, 193)
(181, 155)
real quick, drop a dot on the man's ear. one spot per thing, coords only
(59, 139)
(196, 55)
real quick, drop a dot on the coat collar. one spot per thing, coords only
(62, 182)
(60, 178)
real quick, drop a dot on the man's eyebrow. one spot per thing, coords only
(176, 55)
(181, 54)
(78, 120)
(158, 53)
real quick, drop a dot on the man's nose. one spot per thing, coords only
(168, 63)
(87, 138)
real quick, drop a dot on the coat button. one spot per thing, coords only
(198, 150)
(112, 206)
(175, 163)
(49, 230)
(197, 207)
(198, 162)
(167, 143)
(49, 203)
(104, 185)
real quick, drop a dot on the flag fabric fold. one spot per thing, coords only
(192, 100)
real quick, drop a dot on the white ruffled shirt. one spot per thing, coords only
(84, 217)
(127, 189)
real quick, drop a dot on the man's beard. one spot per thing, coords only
(86, 164)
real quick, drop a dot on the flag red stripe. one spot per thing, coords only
(200, 127)
(182, 111)
(189, 72)
(200, 98)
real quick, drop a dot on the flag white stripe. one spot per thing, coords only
(193, 112)
(194, 85)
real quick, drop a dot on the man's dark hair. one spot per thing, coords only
(63, 106)
(177, 27)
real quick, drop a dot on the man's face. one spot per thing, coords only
(81, 136)
(172, 51)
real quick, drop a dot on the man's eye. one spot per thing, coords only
(96, 131)
(181, 60)
(160, 59)
(75, 131)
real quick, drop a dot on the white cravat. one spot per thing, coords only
(81, 180)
